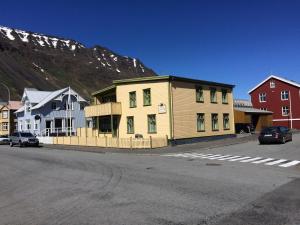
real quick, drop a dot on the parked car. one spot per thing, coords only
(241, 128)
(23, 139)
(275, 134)
(4, 140)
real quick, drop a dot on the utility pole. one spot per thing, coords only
(8, 91)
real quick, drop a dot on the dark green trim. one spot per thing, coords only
(104, 90)
(170, 109)
(171, 78)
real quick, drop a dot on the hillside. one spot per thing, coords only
(47, 62)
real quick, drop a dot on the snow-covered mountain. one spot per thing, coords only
(46, 62)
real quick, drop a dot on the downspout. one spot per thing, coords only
(171, 117)
(291, 114)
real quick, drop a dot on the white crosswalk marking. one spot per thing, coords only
(293, 163)
(263, 160)
(252, 159)
(232, 157)
(276, 162)
(219, 157)
(238, 159)
(244, 159)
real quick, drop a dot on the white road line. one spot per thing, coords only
(211, 156)
(262, 161)
(252, 159)
(238, 159)
(193, 155)
(276, 162)
(293, 163)
(219, 157)
(232, 157)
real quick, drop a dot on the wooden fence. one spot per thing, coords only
(88, 137)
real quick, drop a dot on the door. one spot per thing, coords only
(115, 131)
(48, 127)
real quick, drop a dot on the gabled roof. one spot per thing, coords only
(51, 96)
(40, 98)
(14, 105)
(277, 78)
(34, 96)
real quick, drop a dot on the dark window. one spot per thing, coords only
(152, 123)
(130, 124)
(147, 97)
(213, 95)
(132, 99)
(199, 94)
(105, 124)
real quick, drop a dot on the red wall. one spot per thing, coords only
(274, 103)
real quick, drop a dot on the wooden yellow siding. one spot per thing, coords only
(159, 94)
(2, 120)
(185, 109)
(111, 108)
(241, 117)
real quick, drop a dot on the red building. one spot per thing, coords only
(282, 97)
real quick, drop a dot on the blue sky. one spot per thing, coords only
(238, 42)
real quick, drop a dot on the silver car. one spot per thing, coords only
(23, 139)
(4, 140)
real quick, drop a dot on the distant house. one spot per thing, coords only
(282, 97)
(246, 117)
(52, 113)
(8, 121)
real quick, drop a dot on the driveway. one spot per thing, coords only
(42, 186)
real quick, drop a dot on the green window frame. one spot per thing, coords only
(130, 125)
(199, 94)
(226, 124)
(224, 96)
(213, 95)
(147, 97)
(132, 99)
(152, 124)
(200, 122)
(214, 122)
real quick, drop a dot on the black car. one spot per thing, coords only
(23, 139)
(275, 134)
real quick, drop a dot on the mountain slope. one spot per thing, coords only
(47, 63)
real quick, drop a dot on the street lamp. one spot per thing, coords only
(8, 91)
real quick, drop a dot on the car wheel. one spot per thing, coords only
(11, 144)
(261, 142)
(283, 140)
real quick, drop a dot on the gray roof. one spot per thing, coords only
(252, 110)
(40, 98)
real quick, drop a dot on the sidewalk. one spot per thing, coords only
(169, 149)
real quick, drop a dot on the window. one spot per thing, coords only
(199, 94)
(4, 126)
(262, 97)
(265, 109)
(147, 97)
(285, 110)
(35, 124)
(213, 95)
(152, 123)
(28, 125)
(226, 121)
(53, 106)
(284, 95)
(272, 84)
(132, 99)
(105, 124)
(4, 114)
(20, 125)
(81, 106)
(130, 125)
(224, 97)
(200, 122)
(68, 106)
(214, 122)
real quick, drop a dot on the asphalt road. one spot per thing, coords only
(48, 186)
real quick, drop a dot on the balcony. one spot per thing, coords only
(106, 109)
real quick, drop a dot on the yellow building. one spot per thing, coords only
(8, 121)
(176, 107)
